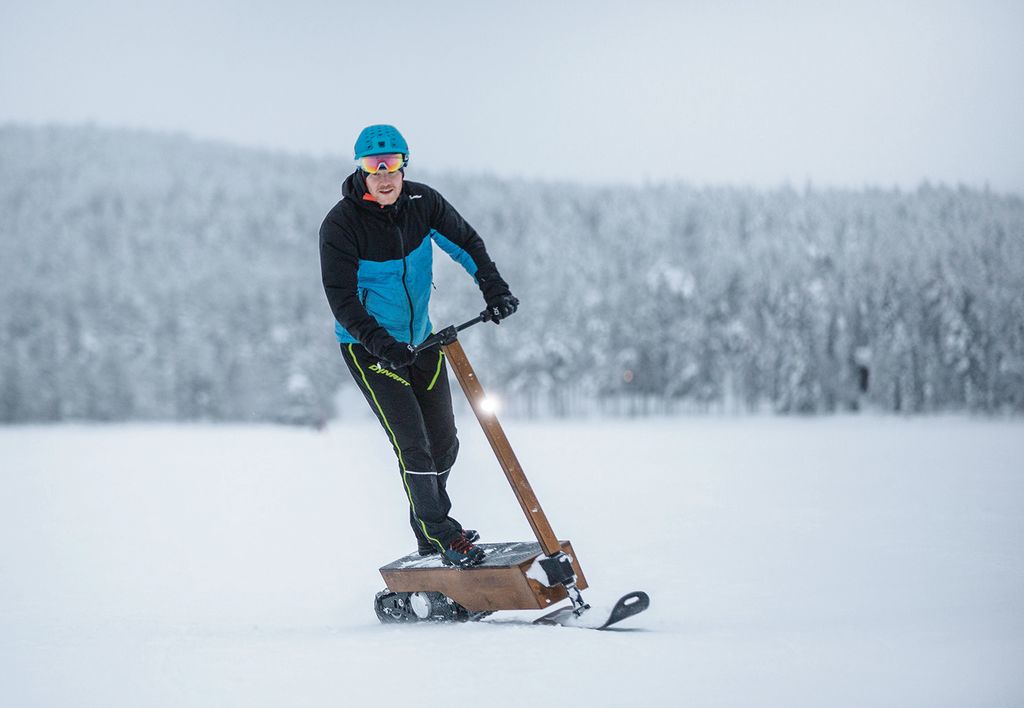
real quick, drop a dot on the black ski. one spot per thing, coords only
(591, 618)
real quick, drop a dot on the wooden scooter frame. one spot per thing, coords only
(508, 579)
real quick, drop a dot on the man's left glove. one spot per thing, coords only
(500, 307)
(500, 301)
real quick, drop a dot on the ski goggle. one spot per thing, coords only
(372, 164)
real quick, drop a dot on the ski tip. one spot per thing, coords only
(628, 605)
(597, 618)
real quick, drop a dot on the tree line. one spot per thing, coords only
(157, 277)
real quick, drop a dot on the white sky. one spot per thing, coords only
(757, 93)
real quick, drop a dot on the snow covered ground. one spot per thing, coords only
(790, 562)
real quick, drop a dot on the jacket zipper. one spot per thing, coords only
(405, 267)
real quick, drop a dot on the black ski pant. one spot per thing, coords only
(414, 406)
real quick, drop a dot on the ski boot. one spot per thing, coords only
(430, 549)
(462, 553)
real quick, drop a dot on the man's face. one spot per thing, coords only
(385, 186)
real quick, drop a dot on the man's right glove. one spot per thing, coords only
(500, 301)
(397, 354)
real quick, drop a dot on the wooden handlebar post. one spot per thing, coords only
(502, 449)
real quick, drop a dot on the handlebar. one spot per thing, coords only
(450, 334)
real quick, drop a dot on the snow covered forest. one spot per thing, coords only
(147, 276)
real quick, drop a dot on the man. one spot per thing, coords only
(376, 263)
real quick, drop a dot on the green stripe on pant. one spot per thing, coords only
(413, 405)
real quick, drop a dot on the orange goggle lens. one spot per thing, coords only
(372, 164)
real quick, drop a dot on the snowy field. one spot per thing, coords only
(790, 562)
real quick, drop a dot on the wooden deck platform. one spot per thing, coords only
(500, 583)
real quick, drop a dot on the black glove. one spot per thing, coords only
(500, 307)
(500, 301)
(397, 354)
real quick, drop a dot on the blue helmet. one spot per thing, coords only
(380, 140)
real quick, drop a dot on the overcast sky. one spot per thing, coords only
(759, 93)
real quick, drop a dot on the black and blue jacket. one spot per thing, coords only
(377, 261)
